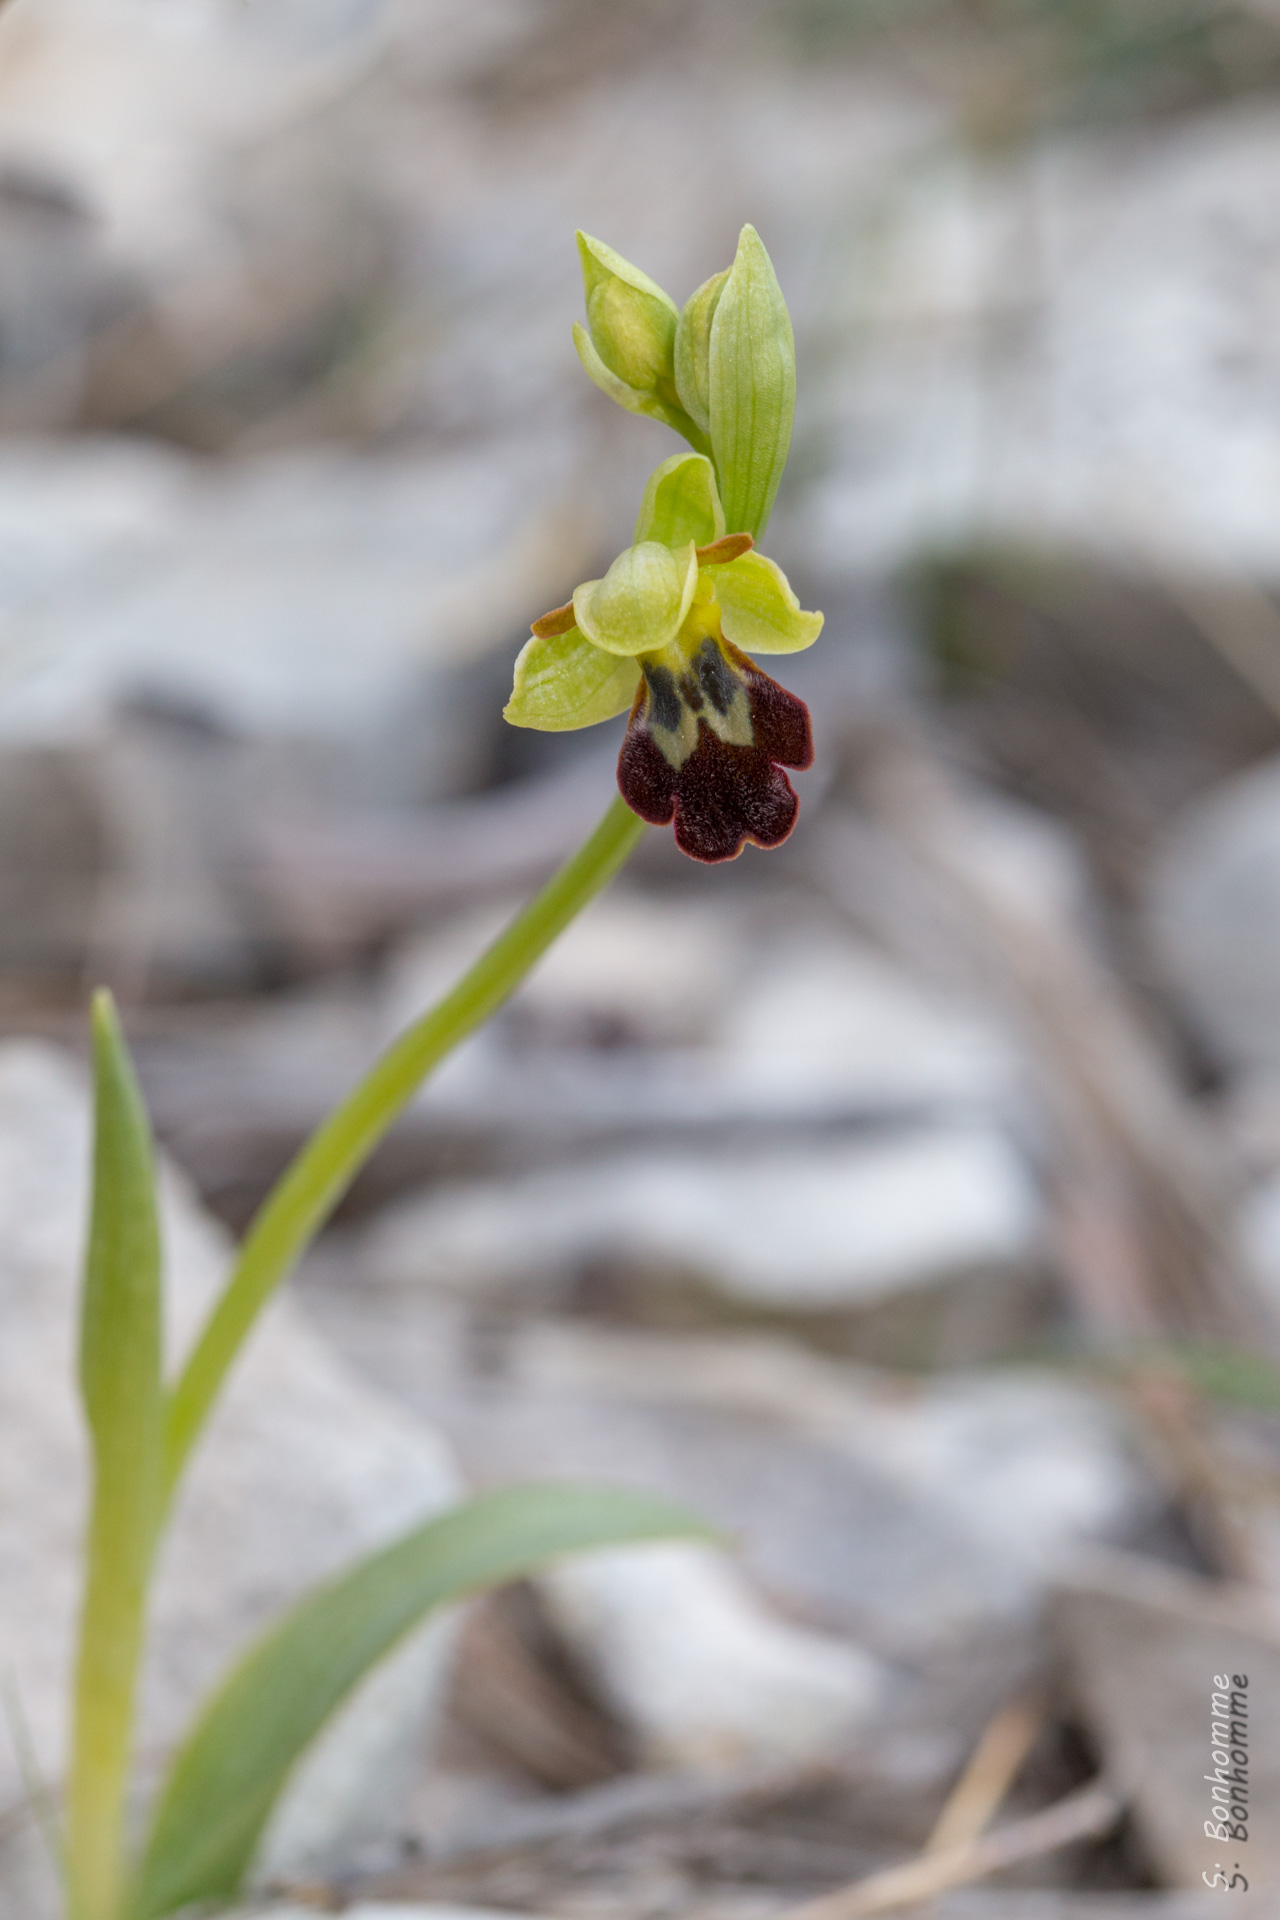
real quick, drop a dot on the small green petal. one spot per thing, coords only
(751, 387)
(681, 503)
(632, 321)
(563, 682)
(758, 611)
(640, 603)
(693, 347)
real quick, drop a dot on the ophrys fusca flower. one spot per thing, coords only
(669, 632)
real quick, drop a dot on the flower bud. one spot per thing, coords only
(751, 386)
(628, 344)
(693, 349)
(631, 321)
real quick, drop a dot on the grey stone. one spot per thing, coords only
(909, 1518)
(1214, 917)
(1146, 1647)
(729, 1014)
(180, 682)
(802, 1231)
(235, 592)
(303, 1469)
(1080, 436)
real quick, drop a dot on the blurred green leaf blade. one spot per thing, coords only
(120, 1330)
(120, 1378)
(225, 1781)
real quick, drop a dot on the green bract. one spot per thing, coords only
(693, 349)
(722, 373)
(751, 384)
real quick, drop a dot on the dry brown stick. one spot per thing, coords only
(1084, 1815)
(992, 1769)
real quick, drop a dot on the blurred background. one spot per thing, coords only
(908, 1198)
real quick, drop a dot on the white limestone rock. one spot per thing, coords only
(307, 594)
(303, 1469)
(704, 1675)
(654, 1012)
(829, 1227)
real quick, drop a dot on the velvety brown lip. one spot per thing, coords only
(723, 795)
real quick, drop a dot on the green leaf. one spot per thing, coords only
(752, 387)
(120, 1362)
(681, 503)
(639, 605)
(758, 610)
(120, 1336)
(563, 682)
(225, 1781)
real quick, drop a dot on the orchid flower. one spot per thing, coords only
(668, 632)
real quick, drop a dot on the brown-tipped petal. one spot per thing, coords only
(780, 720)
(646, 778)
(723, 793)
(718, 553)
(559, 620)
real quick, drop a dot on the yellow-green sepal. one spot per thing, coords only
(758, 610)
(640, 604)
(681, 503)
(751, 387)
(563, 682)
(693, 349)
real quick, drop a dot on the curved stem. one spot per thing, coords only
(311, 1187)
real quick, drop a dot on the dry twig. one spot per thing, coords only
(993, 1767)
(1084, 1815)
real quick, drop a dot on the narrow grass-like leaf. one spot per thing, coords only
(253, 1730)
(120, 1362)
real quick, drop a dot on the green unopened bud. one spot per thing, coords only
(632, 322)
(693, 350)
(751, 385)
(628, 344)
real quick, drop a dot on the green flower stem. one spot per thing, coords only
(308, 1191)
(112, 1635)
